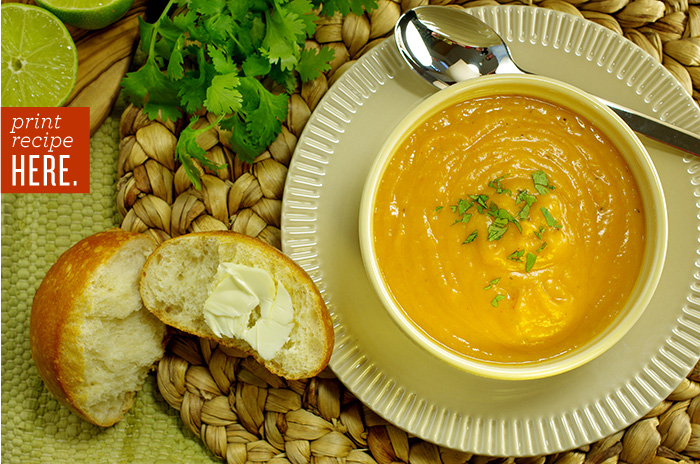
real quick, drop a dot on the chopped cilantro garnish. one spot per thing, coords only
(471, 237)
(463, 206)
(497, 228)
(493, 209)
(551, 222)
(525, 197)
(498, 186)
(541, 182)
(480, 201)
(539, 232)
(501, 219)
(496, 299)
(464, 219)
(530, 261)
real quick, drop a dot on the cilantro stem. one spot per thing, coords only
(156, 30)
(188, 148)
(202, 130)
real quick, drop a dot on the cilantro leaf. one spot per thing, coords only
(539, 232)
(463, 205)
(207, 7)
(471, 237)
(151, 89)
(530, 261)
(525, 197)
(281, 25)
(463, 219)
(551, 222)
(541, 182)
(480, 201)
(497, 299)
(249, 31)
(497, 229)
(330, 7)
(194, 84)
(240, 8)
(498, 186)
(185, 21)
(175, 69)
(259, 121)
(501, 213)
(304, 10)
(264, 108)
(312, 63)
(221, 62)
(168, 32)
(286, 78)
(217, 27)
(256, 65)
(222, 96)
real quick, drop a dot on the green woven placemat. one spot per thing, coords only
(36, 428)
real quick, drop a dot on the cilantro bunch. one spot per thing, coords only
(222, 57)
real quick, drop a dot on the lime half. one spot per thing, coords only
(39, 58)
(87, 14)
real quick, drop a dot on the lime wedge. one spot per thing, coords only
(39, 58)
(87, 14)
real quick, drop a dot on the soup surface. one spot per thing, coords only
(509, 229)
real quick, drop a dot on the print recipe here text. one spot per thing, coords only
(45, 150)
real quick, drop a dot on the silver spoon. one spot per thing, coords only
(447, 45)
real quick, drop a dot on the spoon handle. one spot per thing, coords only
(657, 129)
(653, 128)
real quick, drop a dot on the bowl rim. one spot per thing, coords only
(644, 173)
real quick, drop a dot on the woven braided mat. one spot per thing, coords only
(207, 404)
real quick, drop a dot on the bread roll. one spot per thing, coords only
(92, 340)
(180, 277)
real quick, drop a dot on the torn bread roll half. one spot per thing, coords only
(244, 294)
(92, 340)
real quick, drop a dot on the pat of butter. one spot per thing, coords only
(244, 304)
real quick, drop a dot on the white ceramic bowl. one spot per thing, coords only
(634, 154)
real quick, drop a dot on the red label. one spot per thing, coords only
(45, 150)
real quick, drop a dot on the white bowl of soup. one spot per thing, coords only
(513, 226)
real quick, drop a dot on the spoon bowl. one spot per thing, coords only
(446, 46)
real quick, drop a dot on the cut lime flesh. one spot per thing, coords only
(39, 57)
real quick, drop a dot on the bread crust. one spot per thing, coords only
(54, 328)
(235, 239)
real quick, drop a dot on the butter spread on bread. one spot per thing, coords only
(244, 303)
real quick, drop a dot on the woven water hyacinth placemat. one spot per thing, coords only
(208, 405)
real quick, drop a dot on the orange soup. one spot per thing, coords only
(509, 229)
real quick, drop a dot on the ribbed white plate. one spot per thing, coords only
(393, 376)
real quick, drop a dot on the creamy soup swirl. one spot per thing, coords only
(509, 229)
